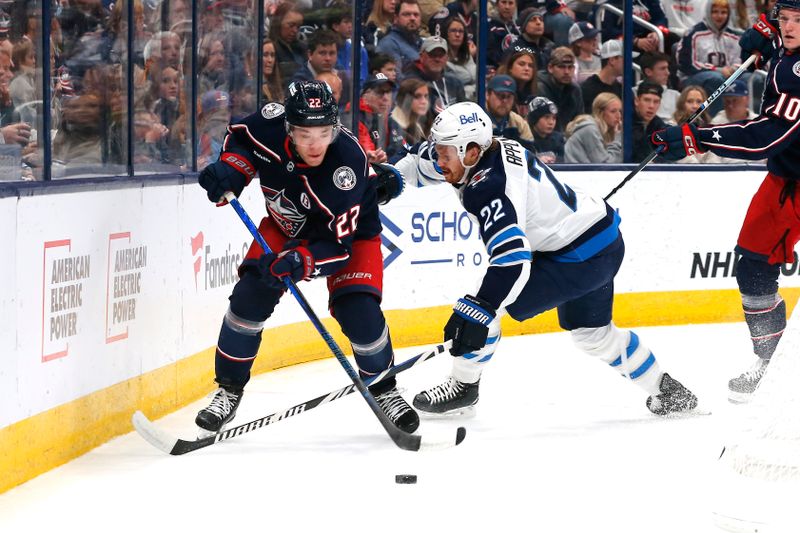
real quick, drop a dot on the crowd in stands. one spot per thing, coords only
(553, 74)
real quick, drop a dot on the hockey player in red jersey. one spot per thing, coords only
(771, 227)
(322, 204)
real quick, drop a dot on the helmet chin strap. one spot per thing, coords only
(467, 167)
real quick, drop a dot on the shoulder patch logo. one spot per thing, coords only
(796, 69)
(479, 177)
(272, 110)
(344, 178)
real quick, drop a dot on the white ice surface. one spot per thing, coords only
(560, 443)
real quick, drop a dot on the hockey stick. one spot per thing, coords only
(404, 440)
(721, 89)
(175, 446)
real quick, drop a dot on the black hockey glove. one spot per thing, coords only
(389, 182)
(677, 142)
(218, 178)
(294, 261)
(468, 326)
(759, 40)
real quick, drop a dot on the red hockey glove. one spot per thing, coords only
(759, 40)
(677, 142)
(295, 262)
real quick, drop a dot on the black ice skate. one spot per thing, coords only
(740, 389)
(221, 411)
(399, 412)
(450, 398)
(674, 397)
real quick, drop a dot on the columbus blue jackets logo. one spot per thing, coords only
(344, 178)
(272, 110)
(796, 69)
(284, 212)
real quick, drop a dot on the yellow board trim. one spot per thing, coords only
(42, 442)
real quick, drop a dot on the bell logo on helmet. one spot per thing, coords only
(470, 119)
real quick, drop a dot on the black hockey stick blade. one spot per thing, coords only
(175, 446)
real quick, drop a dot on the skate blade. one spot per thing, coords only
(464, 412)
(739, 398)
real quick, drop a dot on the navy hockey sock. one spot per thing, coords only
(766, 319)
(361, 319)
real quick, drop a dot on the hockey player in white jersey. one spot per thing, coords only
(549, 246)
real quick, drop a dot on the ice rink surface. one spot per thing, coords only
(559, 443)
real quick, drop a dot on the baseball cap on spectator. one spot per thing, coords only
(213, 100)
(539, 107)
(562, 56)
(581, 30)
(648, 87)
(376, 80)
(502, 84)
(527, 14)
(429, 44)
(737, 88)
(612, 48)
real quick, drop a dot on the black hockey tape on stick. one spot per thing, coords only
(174, 446)
(403, 440)
(721, 89)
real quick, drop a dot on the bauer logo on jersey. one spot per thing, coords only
(305, 201)
(284, 212)
(272, 110)
(344, 178)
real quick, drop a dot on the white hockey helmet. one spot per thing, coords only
(461, 124)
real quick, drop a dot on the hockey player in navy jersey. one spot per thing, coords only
(550, 246)
(322, 205)
(771, 227)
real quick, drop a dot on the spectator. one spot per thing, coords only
(403, 41)
(607, 80)
(655, 67)
(272, 90)
(502, 31)
(284, 30)
(378, 23)
(163, 49)
(460, 58)
(322, 49)
(341, 23)
(213, 65)
(644, 39)
(736, 104)
(23, 87)
(645, 118)
(558, 19)
(583, 42)
(78, 142)
(521, 66)
(531, 26)
(445, 89)
(212, 123)
(682, 15)
(502, 91)
(166, 102)
(709, 53)
(557, 85)
(548, 142)
(12, 130)
(149, 138)
(745, 13)
(385, 64)
(689, 101)
(378, 134)
(596, 138)
(467, 12)
(334, 82)
(413, 111)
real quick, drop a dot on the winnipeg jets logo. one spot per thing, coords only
(344, 178)
(479, 177)
(283, 211)
(272, 110)
(716, 135)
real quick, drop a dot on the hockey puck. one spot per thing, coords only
(405, 479)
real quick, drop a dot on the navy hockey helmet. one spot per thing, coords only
(790, 4)
(311, 103)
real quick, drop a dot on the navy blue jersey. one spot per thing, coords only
(327, 206)
(773, 134)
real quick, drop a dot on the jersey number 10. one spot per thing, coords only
(787, 107)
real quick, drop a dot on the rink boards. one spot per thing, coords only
(113, 299)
